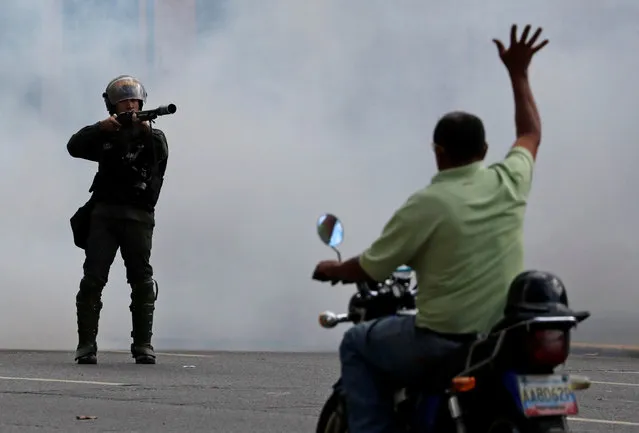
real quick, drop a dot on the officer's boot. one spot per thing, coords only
(88, 306)
(143, 296)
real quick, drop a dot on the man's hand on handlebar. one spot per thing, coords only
(325, 271)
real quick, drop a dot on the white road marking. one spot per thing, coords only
(187, 355)
(604, 421)
(41, 379)
(600, 346)
(614, 383)
(180, 355)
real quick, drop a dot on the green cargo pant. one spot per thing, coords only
(134, 239)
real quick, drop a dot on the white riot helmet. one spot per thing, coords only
(121, 88)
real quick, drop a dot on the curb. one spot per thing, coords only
(607, 350)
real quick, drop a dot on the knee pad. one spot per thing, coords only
(90, 290)
(144, 292)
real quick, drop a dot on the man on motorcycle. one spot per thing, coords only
(463, 236)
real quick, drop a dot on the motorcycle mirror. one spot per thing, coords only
(330, 230)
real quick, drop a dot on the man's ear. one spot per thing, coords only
(439, 150)
(484, 151)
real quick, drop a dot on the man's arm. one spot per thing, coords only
(517, 58)
(527, 120)
(161, 149)
(87, 143)
(405, 233)
(519, 163)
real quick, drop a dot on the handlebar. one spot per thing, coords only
(328, 319)
(391, 282)
(376, 300)
(363, 288)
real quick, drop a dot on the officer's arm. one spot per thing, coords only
(87, 143)
(404, 235)
(161, 145)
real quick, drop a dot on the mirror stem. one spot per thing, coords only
(339, 255)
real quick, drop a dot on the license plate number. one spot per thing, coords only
(546, 395)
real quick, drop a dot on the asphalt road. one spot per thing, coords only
(231, 392)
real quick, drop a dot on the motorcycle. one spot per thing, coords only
(503, 382)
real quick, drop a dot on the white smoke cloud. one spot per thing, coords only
(288, 109)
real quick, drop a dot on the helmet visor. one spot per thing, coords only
(125, 88)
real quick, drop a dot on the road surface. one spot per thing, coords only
(230, 393)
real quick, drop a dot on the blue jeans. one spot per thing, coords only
(380, 352)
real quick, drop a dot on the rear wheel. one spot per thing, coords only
(332, 419)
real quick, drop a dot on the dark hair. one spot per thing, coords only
(461, 134)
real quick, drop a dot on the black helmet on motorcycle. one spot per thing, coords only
(121, 88)
(537, 292)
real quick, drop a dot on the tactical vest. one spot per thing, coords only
(128, 173)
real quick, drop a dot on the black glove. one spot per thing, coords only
(125, 119)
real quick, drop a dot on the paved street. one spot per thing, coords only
(230, 392)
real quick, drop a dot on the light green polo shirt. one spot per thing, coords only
(463, 236)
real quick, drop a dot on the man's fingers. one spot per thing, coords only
(540, 46)
(500, 47)
(524, 35)
(513, 35)
(532, 40)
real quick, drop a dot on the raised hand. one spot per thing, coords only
(520, 52)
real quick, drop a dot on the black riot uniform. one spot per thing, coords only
(120, 214)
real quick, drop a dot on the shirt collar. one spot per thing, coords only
(457, 172)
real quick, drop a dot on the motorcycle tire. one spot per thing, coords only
(332, 418)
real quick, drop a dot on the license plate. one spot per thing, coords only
(546, 395)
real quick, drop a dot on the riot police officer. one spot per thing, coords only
(132, 158)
